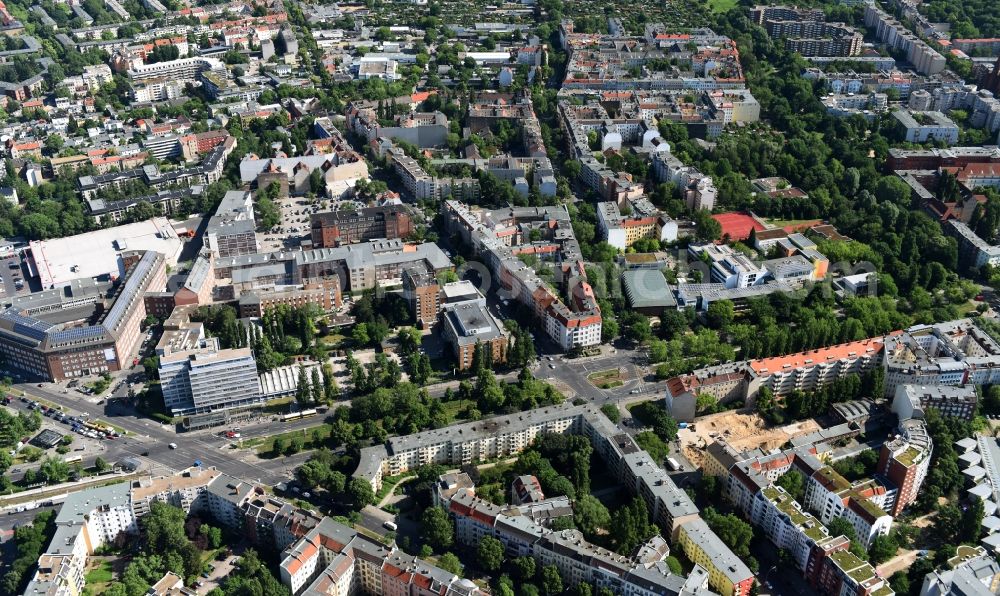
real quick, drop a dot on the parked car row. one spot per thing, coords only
(76, 423)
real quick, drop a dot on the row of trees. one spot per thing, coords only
(29, 540)
(785, 323)
(284, 332)
(322, 470)
(315, 388)
(166, 545)
(799, 405)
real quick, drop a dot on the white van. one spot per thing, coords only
(390, 526)
(172, 445)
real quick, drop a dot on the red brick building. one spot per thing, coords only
(347, 227)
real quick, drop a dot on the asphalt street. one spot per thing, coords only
(151, 441)
(573, 373)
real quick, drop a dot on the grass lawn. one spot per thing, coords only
(99, 576)
(389, 484)
(267, 445)
(278, 406)
(453, 408)
(333, 340)
(722, 5)
(606, 379)
(968, 307)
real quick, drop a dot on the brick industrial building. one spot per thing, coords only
(335, 228)
(62, 343)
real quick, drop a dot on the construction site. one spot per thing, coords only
(741, 430)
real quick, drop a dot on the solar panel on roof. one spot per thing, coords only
(38, 334)
(132, 284)
(26, 326)
(77, 334)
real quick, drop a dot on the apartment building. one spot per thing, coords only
(468, 325)
(832, 39)
(422, 129)
(747, 473)
(921, 127)
(207, 172)
(844, 574)
(727, 573)
(182, 69)
(951, 353)
(973, 251)
(599, 62)
(904, 460)
(347, 227)
(323, 294)
(913, 401)
(867, 105)
(423, 294)
(734, 105)
(807, 32)
(91, 518)
(461, 444)
(830, 495)
(504, 436)
(197, 376)
(160, 81)
(888, 30)
(577, 560)
(87, 520)
(811, 370)
(334, 559)
(698, 189)
(622, 232)
(232, 231)
(418, 183)
(340, 165)
(805, 371)
(787, 526)
(500, 236)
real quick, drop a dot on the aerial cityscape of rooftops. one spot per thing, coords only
(538, 297)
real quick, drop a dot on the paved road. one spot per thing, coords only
(150, 440)
(573, 372)
(153, 440)
(9, 521)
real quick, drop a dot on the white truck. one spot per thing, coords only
(673, 465)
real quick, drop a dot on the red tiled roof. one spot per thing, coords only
(865, 347)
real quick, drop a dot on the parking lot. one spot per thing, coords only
(62, 422)
(86, 444)
(294, 226)
(295, 221)
(12, 280)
